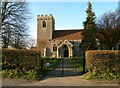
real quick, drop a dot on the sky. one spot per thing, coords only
(68, 15)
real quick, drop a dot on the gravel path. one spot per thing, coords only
(54, 78)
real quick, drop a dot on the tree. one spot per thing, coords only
(109, 20)
(14, 27)
(31, 42)
(42, 44)
(109, 30)
(89, 32)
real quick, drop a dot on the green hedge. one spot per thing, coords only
(20, 59)
(53, 63)
(20, 63)
(103, 64)
(77, 63)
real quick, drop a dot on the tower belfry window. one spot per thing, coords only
(44, 24)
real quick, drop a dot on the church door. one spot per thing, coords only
(66, 53)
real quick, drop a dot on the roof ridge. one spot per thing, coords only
(70, 30)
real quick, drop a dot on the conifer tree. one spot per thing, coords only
(89, 32)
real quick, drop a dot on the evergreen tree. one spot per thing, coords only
(89, 32)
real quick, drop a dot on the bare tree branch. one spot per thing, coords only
(14, 18)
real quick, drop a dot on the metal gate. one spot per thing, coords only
(72, 66)
(68, 67)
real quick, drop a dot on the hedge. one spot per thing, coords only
(78, 63)
(103, 63)
(20, 63)
(20, 59)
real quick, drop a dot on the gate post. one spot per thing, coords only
(62, 66)
(41, 62)
(83, 65)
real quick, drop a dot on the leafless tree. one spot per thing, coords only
(14, 16)
(31, 42)
(109, 30)
(41, 45)
(109, 20)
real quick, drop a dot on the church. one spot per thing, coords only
(57, 43)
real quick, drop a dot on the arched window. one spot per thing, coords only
(44, 23)
(54, 48)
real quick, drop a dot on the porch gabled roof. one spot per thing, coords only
(66, 42)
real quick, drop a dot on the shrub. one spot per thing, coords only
(103, 64)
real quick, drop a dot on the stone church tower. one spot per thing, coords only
(45, 27)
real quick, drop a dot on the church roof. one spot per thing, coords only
(67, 34)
